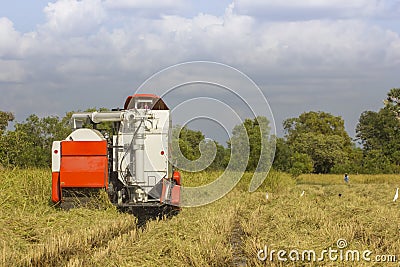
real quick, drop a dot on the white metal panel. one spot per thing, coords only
(156, 132)
(85, 135)
(125, 156)
(55, 156)
(162, 121)
(156, 150)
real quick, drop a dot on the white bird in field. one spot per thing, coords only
(302, 193)
(266, 196)
(396, 196)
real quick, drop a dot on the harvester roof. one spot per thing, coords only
(156, 103)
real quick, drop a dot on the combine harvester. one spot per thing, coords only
(132, 165)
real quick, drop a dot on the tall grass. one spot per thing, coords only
(274, 181)
(35, 232)
(227, 232)
(328, 179)
(364, 215)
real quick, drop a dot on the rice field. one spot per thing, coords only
(241, 229)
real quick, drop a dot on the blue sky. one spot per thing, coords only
(25, 14)
(336, 56)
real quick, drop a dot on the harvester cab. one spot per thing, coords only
(132, 164)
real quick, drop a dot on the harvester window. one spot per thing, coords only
(153, 103)
(144, 104)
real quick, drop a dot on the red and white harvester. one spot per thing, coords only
(132, 165)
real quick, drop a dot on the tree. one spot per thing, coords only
(300, 163)
(379, 135)
(196, 151)
(253, 137)
(321, 136)
(5, 118)
(16, 149)
(315, 122)
(375, 161)
(29, 145)
(40, 134)
(392, 101)
(189, 141)
(283, 154)
(286, 160)
(379, 131)
(353, 163)
(325, 150)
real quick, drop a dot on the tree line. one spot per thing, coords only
(317, 142)
(314, 142)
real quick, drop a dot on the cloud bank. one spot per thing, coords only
(337, 56)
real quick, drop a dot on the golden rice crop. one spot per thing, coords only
(228, 232)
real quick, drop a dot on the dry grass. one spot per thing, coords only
(227, 232)
(36, 233)
(326, 179)
(364, 215)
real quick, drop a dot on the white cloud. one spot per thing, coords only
(302, 3)
(86, 54)
(8, 38)
(73, 17)
(313, 9)
(14, 47)
(77, 34)
(11, 71)
(12, 43)
(149, 4)
(145, 44)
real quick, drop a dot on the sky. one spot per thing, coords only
(336, 56)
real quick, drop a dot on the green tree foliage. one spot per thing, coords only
(379, 131)
(300, 163)
(392, 101)
(283, 154)
(379, 135)
(192, 144)
(15, 149)
(251, 137)
(189, 141)
(375, 161)
(352, 163)
(315, 122)
(29, 145)
(321, 136)
(294, 163)
(5, 118)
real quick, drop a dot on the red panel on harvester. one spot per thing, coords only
(84, 164)
(83, 171)
(55, 193)
(176, 195)
(82, 148)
